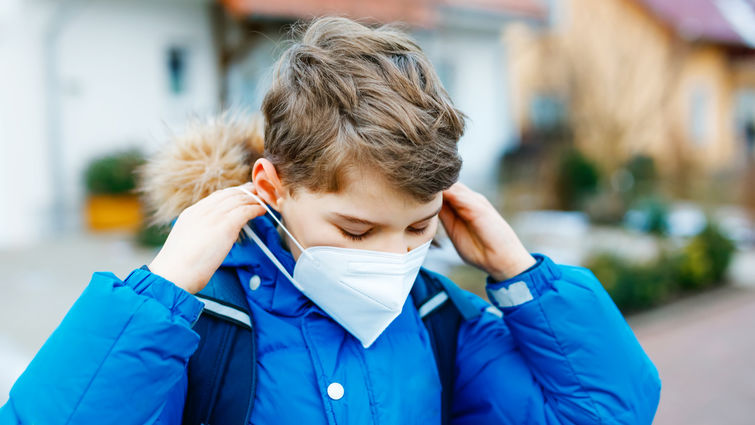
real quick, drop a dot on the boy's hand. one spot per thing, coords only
(202, 237)
(480, 235)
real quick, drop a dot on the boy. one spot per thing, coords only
(359, 167)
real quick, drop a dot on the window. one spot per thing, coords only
(699, 115)
(547, 111)
(177, 64)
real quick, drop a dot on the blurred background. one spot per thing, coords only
(614, 134)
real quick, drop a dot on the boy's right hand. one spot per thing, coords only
(203, 235)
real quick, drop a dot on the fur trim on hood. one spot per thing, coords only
(210, 155)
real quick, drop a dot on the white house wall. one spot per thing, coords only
(114, 91)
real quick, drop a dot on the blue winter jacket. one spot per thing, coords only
(553, 350)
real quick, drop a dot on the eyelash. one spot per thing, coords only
(363, 235)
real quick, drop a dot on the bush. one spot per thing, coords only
(633, 287)
(578, 177)
(700, 264)
(704, 260)
(113, 173)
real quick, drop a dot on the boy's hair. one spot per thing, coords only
(347, 96)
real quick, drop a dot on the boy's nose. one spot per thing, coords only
(396, 245)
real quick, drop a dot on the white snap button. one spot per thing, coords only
(254, 282)
(335, 391)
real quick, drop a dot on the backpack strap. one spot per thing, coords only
(443, 306)
(220, 371)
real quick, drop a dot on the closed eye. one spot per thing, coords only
(353, 236)
(361, 236)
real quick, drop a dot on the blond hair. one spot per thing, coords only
(347, 96)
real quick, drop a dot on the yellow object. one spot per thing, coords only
(114, 212)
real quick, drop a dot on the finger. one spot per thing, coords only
(211, 203)
(456, 189)
(250, 191)
(458, 192)
(447, 212)
(465, 201)
(241, 191)
(445, 217)
(448, 218)
(236, 199)
(243, 188)
(233, 190)
(243, 213)
(461, 205)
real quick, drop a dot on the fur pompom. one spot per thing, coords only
(210, 155)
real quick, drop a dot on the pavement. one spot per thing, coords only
(703, 346)
(704, 349)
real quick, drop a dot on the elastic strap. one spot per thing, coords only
(261, 202)
(250, 233)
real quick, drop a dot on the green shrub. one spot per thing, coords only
(578, 177)
(633, 287)
(704, 260)
(700, 264)
(113, 173)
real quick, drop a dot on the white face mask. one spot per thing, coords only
(363, 290)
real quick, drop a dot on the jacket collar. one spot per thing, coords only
(271, 290)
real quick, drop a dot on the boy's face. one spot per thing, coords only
(366, 214)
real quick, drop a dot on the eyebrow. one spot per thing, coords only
(370, 223)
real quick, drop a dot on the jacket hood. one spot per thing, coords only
(209, 155)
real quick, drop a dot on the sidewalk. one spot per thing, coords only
(703, 348)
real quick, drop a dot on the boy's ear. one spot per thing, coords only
(268, 184)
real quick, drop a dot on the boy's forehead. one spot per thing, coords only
(366, 181)
(368, 194)
(369, 185)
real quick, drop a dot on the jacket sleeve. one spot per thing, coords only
(117, 356)
(554, 350)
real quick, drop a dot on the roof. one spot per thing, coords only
(729, 22)
(414, 12)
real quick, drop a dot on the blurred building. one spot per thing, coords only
(82, 78)
(670, 78)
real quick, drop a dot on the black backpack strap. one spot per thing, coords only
(443, 306)
(220, 371)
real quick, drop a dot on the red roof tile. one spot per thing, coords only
(416, 12)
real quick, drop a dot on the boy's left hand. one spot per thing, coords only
(480, 234)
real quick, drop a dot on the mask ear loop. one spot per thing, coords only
(250, 233)
(261, 202)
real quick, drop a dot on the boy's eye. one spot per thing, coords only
(352, 236)
(359, 237)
